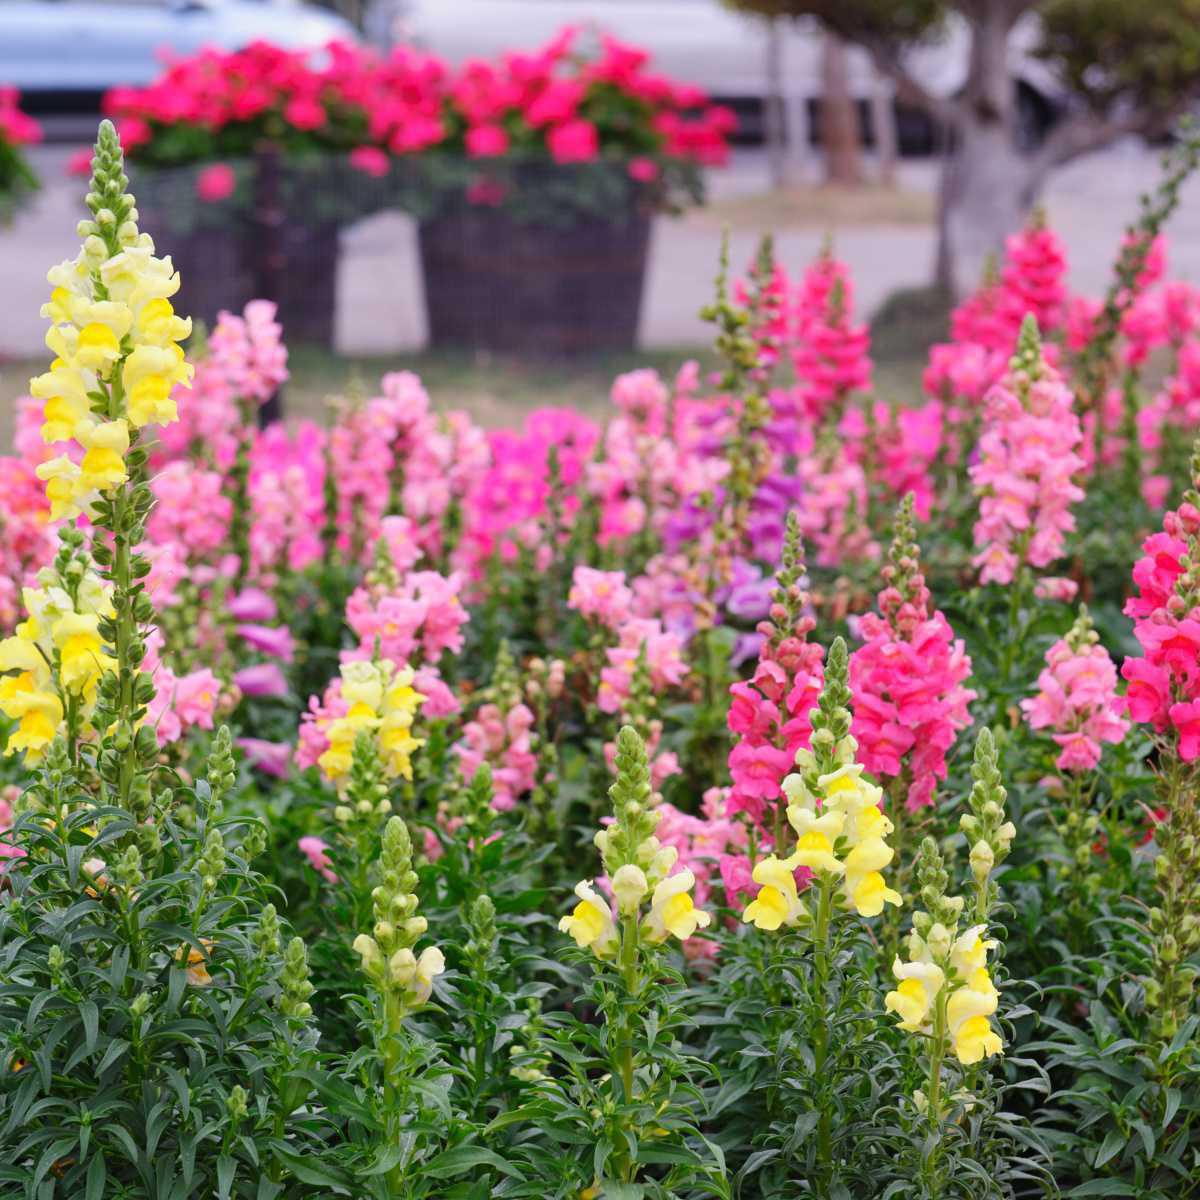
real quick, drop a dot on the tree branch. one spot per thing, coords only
(1084, 132)
(909, 89)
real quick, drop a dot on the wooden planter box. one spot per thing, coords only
(492, 283)
(274, 238)
(218, 270)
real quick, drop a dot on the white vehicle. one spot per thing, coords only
(64, 54)
(699, 41)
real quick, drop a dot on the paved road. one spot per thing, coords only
(380, 308)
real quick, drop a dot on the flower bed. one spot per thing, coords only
(727, 798)
(16, 130)
(586, 141)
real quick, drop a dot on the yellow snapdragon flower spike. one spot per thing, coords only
(57, 655)
(117, 359)
(967, 1013)
(639, 866)
(960, 981)
(81, 652)
(590, 922)
(840, 831)
(672, 910)
(382, 703)
(778, 901)
(918, 988)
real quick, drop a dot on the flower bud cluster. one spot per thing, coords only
(638, 866)
(387, 952)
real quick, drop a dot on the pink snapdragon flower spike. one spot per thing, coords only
(601, 596)
(287, 499)
(27, 538)
(645, 638)
(503, 734)
(8, 846)
(317, 853)
(832, 353)
(413, 617)
(181, 701)
(502, 739)
(1028, 462)
(1033, 278)
(908, 678)
(191, 509)
(769, 714)
(1164, 684)
(1077, 699)
(271, 758)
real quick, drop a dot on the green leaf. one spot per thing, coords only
(1113, 1144)
(1103, 1187)
(462, 1158)
(90, 1016)
(97, 1176)
(226, 1168)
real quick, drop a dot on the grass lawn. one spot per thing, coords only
(821, 206)
(495, 391)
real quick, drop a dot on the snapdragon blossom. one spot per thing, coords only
(1028, 461)
(908, 677)
(1077, 698)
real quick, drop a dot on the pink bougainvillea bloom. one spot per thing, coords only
(370, 160)
(486, 141)
(216, 182)
(644, 170)
(573, 141)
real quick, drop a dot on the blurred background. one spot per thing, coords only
(914, 134)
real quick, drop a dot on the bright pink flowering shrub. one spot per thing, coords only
(16, 128)
(569, 106)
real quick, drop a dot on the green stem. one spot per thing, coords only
(627, 964)
(629, 977)
(126, 632)
(395, 1084)
(937, 1056)
(821, 966)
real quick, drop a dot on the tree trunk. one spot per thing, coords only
(988, 189)
(988, 186)
(774, 125)
(839, 116)
(883, 117)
